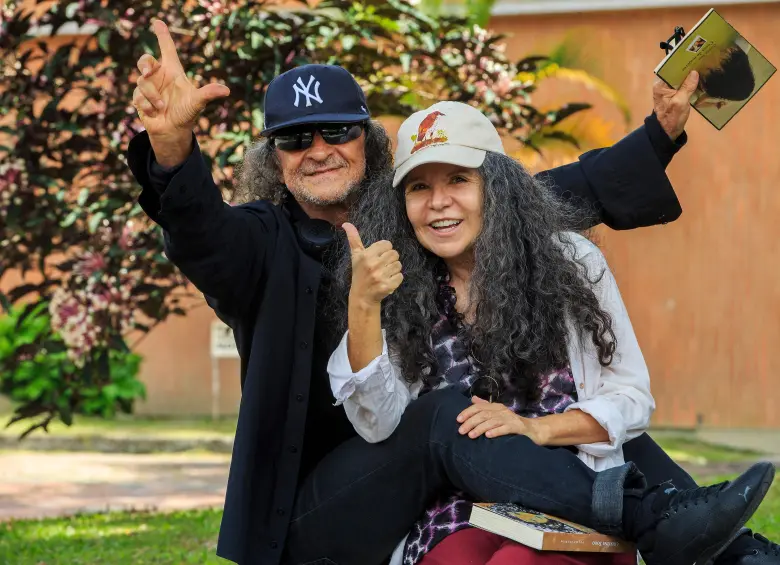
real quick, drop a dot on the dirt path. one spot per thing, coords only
(39, 484)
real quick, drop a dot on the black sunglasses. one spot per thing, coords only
(296, 139)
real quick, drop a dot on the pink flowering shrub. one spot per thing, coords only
(92, 265)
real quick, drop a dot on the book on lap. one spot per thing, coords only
(542, 531)
(731, 70)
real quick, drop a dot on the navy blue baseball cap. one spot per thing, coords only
(313, 94)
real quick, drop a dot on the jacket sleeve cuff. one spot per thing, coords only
(160, 176)
(630, 183)
(610, 418)
(189, 184)
(665, 147)
(344, 382)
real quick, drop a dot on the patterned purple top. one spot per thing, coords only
(451, 513)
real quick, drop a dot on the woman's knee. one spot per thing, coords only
(464, 547)
(436, 412)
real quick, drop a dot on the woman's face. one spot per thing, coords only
(444, 206)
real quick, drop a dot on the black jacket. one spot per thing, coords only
(249, 264)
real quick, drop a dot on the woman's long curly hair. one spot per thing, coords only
(524, 285)
(259, 176)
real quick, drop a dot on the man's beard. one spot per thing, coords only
(305, 195)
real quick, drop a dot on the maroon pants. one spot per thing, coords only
(473, 546)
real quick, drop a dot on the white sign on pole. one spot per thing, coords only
(223, 346)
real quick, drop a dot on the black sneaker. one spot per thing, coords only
(692, 526)
(750, 549)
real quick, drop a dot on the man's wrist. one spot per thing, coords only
(171, 151)
(664, 146)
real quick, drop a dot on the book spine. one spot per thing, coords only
(592, 543)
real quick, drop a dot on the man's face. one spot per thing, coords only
(324, 174)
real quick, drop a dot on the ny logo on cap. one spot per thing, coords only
(304, 89)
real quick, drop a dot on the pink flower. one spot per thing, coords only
(85, 317)
(63, 307)
(12, 175)
(89, 264)
(503, 85)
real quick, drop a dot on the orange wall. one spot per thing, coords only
(177, 368)
(703, 292)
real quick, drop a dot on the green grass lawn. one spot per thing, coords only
(128, 426)
(184, 538)
(121, 538)
(181, 538)
(686, 449)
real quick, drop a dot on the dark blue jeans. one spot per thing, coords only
(362, 498)
(655, 464)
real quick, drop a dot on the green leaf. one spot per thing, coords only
(110, 391)
(562, 136)
(568, 110)
(83, 195)
(257, 120)
(70, 219)
(406, 62)
(36, 387)
(256, 40)
(66, 413)
(5, 303)
(71, 10)
(232, 19)
(103, 38)
(94, 222)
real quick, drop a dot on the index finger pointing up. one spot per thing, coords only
(168, 51)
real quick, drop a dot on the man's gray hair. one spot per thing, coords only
(259, 176)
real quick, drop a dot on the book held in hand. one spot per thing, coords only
(541, 531)
(731, 70)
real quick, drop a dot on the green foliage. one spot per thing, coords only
(37, 373)
(475, 12)
(478, 11)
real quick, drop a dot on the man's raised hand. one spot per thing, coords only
(167, 102)
(672, 107)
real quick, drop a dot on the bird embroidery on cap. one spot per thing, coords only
(427, 134)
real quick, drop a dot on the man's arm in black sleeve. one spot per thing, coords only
(624, 186)
(223, 250)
